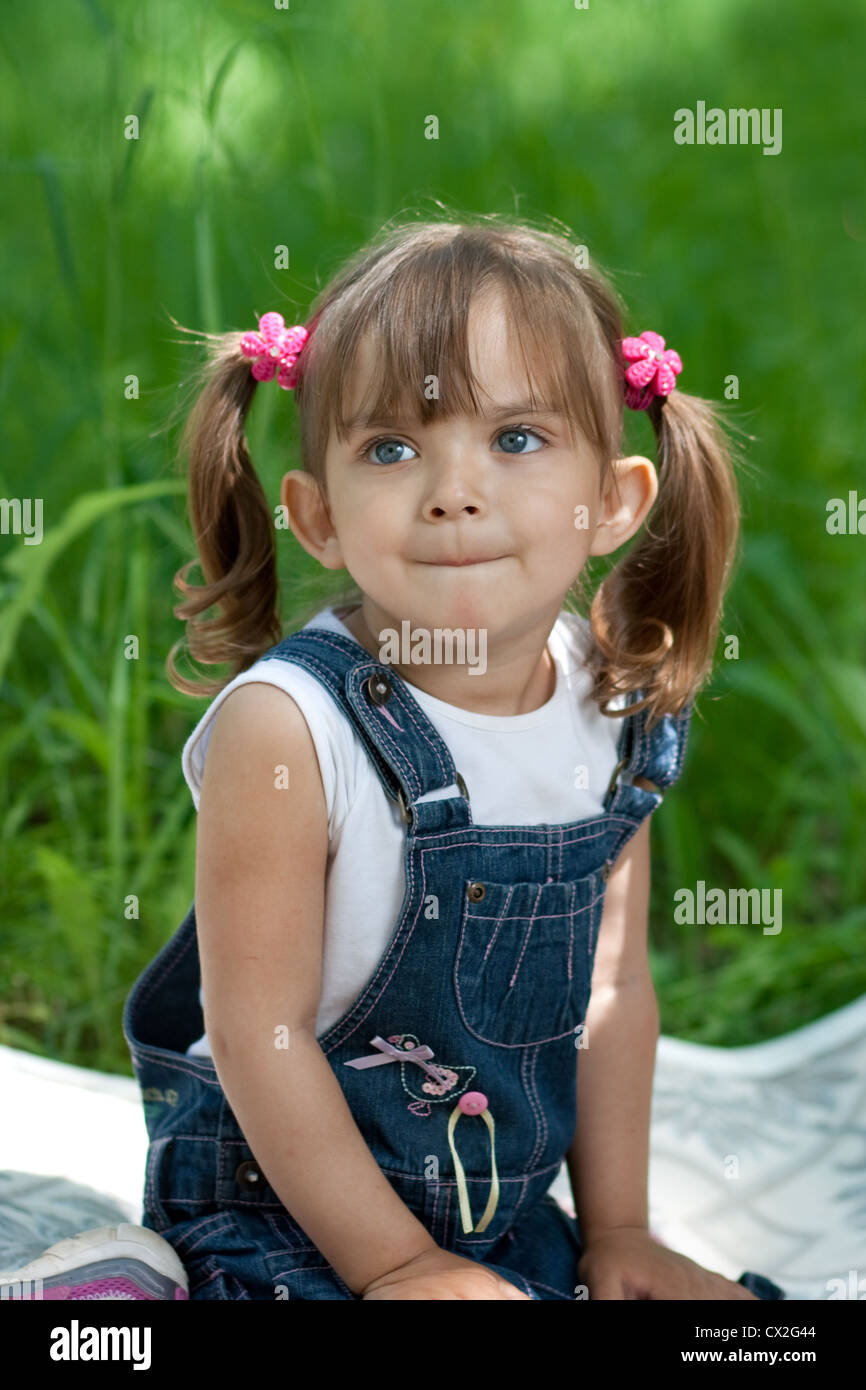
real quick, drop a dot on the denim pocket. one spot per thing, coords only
(210, 1281)
(305, 1276)
(523, 965)
(287, 1232)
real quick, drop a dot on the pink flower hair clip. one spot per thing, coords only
(653, 371)
(276, 350)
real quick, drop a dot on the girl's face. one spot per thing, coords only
(468, 522)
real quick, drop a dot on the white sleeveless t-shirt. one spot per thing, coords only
(550, 766)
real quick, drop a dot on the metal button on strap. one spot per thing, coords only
(249, 1175)
(475, 892)
(378, 688)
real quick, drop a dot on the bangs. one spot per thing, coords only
(405, 323)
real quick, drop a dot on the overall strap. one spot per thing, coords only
(649, 761)
(410, 758)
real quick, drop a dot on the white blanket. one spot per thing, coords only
(758, 1155)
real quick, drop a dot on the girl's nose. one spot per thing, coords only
(456, 487)
(442, 511)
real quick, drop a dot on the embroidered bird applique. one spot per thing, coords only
(426, 1082)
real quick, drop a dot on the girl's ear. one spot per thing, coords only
(310, 519)
(630, 493)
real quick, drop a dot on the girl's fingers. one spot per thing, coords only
(510, 1290)
(608, 1286)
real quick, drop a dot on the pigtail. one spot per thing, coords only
(233, 528)
(655, 617)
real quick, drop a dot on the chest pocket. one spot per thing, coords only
(523, 966)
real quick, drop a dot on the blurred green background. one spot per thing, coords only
(305, 127)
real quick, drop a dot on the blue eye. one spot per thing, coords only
(516, 433)
(386, 444)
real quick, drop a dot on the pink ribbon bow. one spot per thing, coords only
(396, 1054)
(653, 371)
(276, 349)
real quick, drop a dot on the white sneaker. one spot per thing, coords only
(109, 1262)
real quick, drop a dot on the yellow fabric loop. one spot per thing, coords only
(462, 1191)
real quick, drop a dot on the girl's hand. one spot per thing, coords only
(437, 1274)
(627, 1263)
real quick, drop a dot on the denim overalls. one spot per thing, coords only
(458, 1060)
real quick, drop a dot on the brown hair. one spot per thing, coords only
(654, 617)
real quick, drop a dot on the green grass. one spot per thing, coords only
(305, 127)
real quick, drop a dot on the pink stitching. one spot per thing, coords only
(527, 934)
(545, 916)
(544, 1127)
(452, 1182)
(529, 1061)
(532, 1099)
(199, 1138)
(156, 1055)
(537, 843)
(498, 921)
(187, 1248)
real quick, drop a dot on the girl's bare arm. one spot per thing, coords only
(609, 1155)
(259, 892)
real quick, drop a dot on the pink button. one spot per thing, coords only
(473, 1102)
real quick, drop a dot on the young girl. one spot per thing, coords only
(422, 872)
